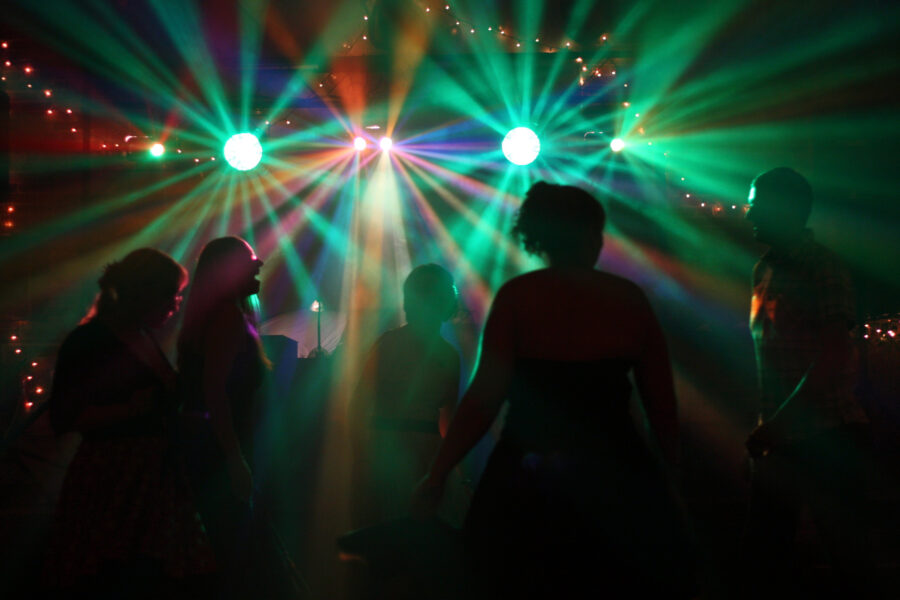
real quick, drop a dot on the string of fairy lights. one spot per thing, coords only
(882, 329)
(459, 24)
(30, 376)
(21, 76)
(32, 388)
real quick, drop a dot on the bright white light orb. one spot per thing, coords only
(386, 143)
(157, 150)
(243, 151)
(617, 145)
(360, 144)
(521, 146)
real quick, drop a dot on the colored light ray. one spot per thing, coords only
(422, 186)
(521, 146)
(701, 161)
(243, 151)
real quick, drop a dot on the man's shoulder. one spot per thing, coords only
(814, 250)
(822, 263)
(826, 275)
(391, 337)
(809, 255)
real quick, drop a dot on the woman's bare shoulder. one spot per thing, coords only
(620, 284)
(602, 281)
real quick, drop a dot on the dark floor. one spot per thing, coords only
(32, 471)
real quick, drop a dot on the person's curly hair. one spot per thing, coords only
(558, 220)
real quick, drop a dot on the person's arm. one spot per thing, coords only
(479, 406)
(653, 376)
(791, 417)
(834, 311)
(220, 349)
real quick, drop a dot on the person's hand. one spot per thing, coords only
(426, 497)
(764, 438)
(241, 479)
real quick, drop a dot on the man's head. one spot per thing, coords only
(780, 203)
(429, 297)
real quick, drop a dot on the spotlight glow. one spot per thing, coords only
(386, 143)
(360, 144)
(521, 146)
(157, 150)
(243, 151)
(617, 145)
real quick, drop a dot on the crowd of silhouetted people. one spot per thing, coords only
(159, 501)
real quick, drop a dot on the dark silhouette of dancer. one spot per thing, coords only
(571, 498)
(807, 448)
(125, 525)
(222, 364)
(405, 398)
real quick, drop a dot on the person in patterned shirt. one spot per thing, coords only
(807, 446)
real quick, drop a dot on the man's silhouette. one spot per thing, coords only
(806, 447)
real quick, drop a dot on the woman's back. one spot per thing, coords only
(575, 314)
(571, 499)
(571, 486)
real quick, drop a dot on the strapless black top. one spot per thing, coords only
(568, 404)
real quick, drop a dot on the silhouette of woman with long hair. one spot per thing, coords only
(571, 498)
(222, 364)
(125, 523)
